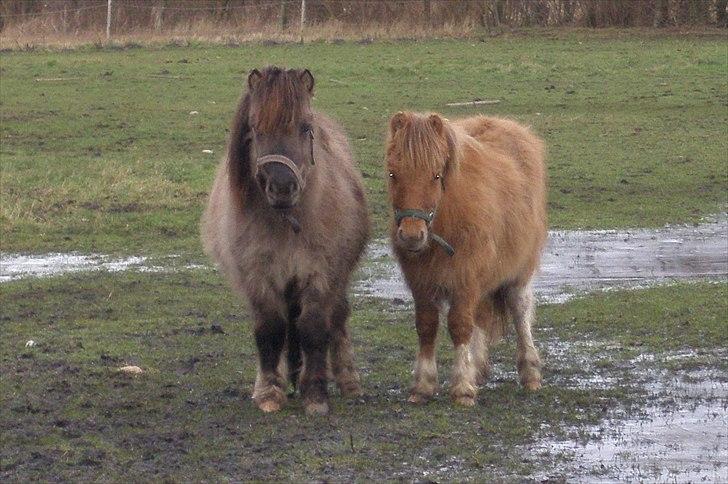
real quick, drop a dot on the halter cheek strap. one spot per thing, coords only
(399, 215)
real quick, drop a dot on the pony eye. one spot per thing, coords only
(437, 177)
(391, 175)
(306, 128)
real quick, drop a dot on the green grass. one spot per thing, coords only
(66, 413)
(111, 160)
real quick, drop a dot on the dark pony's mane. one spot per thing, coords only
(279, 100)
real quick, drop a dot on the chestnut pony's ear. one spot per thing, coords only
(436, 122)
(307, 79)
(443, 129)
(397, 122)
(254, 78)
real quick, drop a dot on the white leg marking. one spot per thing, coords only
(462, 385)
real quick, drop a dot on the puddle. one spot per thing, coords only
(574, 262)
(15, 266)
(681, 435)
(583, 261)
(677, 432)
(19, 266)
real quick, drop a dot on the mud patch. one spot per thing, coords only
(576, 262)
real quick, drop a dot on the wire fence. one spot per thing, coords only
(124, 17)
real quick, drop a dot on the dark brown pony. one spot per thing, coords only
(287, 223)
(469, 199)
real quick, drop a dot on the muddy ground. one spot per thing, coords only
(636, 388)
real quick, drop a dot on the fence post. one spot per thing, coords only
(284, 14)
(303, 17)
(108, 19)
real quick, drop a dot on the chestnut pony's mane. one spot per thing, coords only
(416, 142)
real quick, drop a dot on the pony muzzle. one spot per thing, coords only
(413, 236)
(280, 179)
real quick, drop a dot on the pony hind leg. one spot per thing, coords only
(491, 319)
(427, 319)
(293, 360)
(480, 341)
(521, 303)
(341, 355)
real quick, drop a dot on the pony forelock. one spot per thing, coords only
(419, 144)
(279, 100)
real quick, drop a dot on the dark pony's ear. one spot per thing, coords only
(442, 128)
(307, 79)
(397, 122)
(254, 78)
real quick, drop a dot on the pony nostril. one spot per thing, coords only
(422, 235)
(285, 189)
(292, 188)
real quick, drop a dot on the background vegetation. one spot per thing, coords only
(35, 22)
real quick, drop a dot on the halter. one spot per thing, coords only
(282, 160)
(287, 162)
(427, 217)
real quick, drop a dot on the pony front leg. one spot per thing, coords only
(314, 335)
(427, 319)
(460, 323)
(270, 335)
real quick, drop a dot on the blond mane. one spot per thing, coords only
(417, 141)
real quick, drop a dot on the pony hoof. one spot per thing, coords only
(532, 385)
(464, 400)
(269, 406)
(317, 408)
(418, 398)
(351, 391)
(271, 399)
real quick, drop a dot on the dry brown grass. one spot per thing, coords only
(66, 24)
(208, 32)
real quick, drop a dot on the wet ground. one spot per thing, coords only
(576, 262)
(679, 434)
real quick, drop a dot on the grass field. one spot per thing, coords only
(100, 153)
(109, 158)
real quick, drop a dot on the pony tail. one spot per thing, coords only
(239, 145)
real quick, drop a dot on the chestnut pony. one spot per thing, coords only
(469, 199)
(287, 222)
